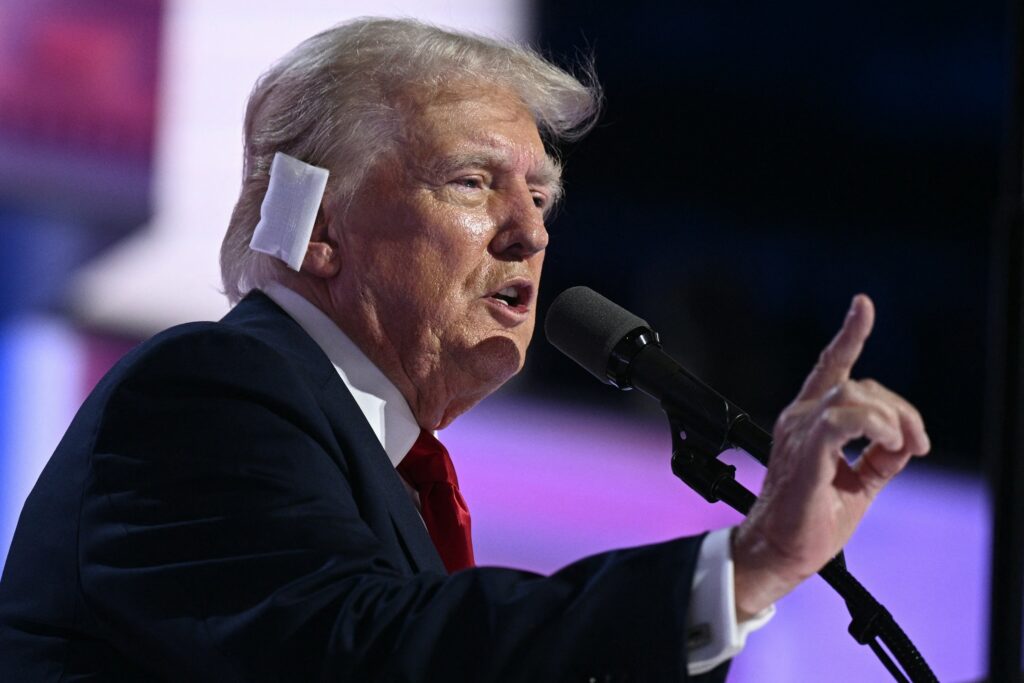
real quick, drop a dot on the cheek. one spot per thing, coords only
(436, 256)
(437, 276)
(477, 227)
(455, 223)
(460, 252)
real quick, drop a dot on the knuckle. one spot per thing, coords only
(826, 359)
(829, 417)
(839, 393)
(785, 422)
(791, 420)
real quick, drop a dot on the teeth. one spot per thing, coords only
(508, 296)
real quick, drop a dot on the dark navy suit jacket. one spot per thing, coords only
(220, 510)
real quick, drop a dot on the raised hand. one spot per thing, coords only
(812, 499)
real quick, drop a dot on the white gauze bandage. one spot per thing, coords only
(289, 209)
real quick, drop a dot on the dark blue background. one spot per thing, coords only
(758, 164)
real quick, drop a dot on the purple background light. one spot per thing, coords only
(548, 485)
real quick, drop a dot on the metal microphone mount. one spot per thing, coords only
(704, 424)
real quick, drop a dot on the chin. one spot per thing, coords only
(482, 370)
(494, 361)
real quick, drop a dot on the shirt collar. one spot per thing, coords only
(380, 401)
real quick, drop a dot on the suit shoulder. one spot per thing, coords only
(205, 341)
(210, 377)
(201, 351)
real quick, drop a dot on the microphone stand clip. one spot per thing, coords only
(695, 461)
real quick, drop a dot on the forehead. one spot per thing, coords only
(489, 122)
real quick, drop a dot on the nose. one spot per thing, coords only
(521, 230)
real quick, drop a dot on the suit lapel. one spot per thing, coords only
(371, 474)
(384, 480)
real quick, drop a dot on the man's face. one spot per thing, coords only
(442, 247)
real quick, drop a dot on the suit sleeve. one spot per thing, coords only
(220, 541)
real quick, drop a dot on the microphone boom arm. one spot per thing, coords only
(695, 461)
(620, 349)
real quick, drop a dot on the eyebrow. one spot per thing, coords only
(547, 173)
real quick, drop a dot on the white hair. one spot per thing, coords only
(334, 101)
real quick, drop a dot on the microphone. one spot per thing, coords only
(621, 349)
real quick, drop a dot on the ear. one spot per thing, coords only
(322, 259)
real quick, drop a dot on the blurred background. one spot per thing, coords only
(756, 166)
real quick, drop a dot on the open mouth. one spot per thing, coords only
(516, 296)
(508, 296)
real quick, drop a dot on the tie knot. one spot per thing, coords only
(427, 463)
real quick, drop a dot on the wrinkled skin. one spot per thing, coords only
(812, 499)
(455, 214)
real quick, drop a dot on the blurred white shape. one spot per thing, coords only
(212, 53)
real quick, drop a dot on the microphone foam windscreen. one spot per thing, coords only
(585, 326)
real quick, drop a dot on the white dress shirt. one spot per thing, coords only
(713, 636)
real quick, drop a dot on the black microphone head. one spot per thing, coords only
(585, 326)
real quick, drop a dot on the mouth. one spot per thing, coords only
(515, 295)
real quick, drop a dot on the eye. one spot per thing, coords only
(469, 182)
(541, 201)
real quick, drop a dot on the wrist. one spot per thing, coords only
(760, 577)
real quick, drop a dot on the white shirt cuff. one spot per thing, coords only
(713, 634)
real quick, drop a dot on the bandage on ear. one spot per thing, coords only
(289, 210)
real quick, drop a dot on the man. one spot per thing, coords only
(226, 505)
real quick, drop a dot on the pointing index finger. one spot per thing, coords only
(836, 361)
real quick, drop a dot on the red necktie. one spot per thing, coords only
(429, 470)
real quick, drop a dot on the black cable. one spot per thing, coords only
(697, 464)
(870, 620)
(887, 661)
